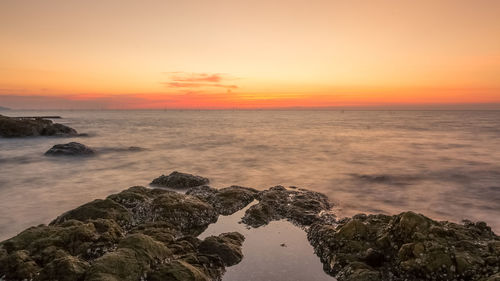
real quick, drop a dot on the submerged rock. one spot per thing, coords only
(298, 205)
(179, 180)
(407, 246)
(70, 149)
(25, 127)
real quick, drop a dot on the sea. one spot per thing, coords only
(443, 164)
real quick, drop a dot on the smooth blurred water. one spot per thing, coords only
(444, 164)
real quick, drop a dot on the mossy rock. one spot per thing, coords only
(74, 237)
(234, 198)
(98, 209)
(299, 206)
(135, 256)
(178, 271)
(188, 214)
(18, 265)
(227, 246)
(120, 265)
(354, 229)
(131, 197)
(125, 237)
(68, 268)
(160, 231)
(407, 246)
(179, 180)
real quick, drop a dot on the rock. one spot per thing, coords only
(98, 209)
(139, 205)
(67, 268)
(70, 149)
(178, 271)
(137, 234)
(179, 180)
(25, 127)
(300, 206)
(407, 246)
(186, 213)
(227, 200)
(135, 254)
(227, 246)
(151, 234)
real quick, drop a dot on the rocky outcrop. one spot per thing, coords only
(138, 234)
(407, 246)
(226, 201)
(70, 149)
(151, 234)
(299, 206)
(179, 180)
(25, 127)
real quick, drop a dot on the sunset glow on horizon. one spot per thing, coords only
(112, 54)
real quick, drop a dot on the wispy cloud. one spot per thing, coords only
(198, 80)
(198, 85)
(196, 77)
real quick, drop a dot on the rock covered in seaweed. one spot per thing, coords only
(407, 246)
(138, 234)
(225, 200)
(150, 234)
(301, 206)
(179, 180)
(139, 205)
(70, 149)
(24, 127)
(227, 246)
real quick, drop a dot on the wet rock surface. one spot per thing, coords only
(70, 149)
(299, 206)
(138, 234)
(25, 127)
(151, 234)
(227, 200)
(179, 180)
(407, 246)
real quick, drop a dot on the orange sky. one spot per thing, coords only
(249, 54)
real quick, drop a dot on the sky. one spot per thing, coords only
(123, 54)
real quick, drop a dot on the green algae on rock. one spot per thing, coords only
(179, 180)
(227, 200)
(138, 234)
(151, 235)
(407, 246)
(300, 206)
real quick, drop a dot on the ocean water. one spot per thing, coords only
(443, 164)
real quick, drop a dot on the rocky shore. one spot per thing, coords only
(151, 234)
(11, 127)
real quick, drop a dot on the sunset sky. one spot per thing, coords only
(122, 54)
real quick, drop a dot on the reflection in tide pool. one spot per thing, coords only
(278, 251)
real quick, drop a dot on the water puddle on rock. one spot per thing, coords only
(277, 251)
